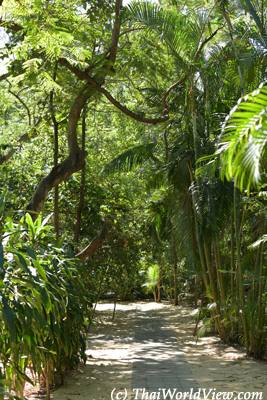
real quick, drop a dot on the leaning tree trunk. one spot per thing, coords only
(73, 163)
(76, 157)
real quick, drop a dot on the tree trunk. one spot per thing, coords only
(73, 163)
(218, 267)
(80, 207)
(175, 283)
(55, 128)
(76, 157)
(95, 244)
(159, 284)
(239, 272)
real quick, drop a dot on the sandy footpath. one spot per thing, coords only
(114, 352)
(214, 364)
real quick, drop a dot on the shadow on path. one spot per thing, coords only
(159, 362)
(138, 350)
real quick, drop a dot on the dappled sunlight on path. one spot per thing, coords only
(151, 346)
(159, 361)
(214, 364)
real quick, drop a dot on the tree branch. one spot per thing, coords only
(21, 102)
(132, 30)
(4, 76)
(12, 26)
(73, 163)
(133, 115)
(95, 244)
(83, 75)
(173, 86)
(26, 137)
(207, 40)
(115, 33)
(185, 76)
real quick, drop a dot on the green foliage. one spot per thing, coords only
(130, 158)
(152, 277)
(243, 144)
(178, 31)
(197, 236)
(44, 305)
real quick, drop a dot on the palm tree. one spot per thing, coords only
(204, 217)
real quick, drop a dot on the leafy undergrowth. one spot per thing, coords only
(44, 307)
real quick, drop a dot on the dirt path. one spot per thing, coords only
(151, 346)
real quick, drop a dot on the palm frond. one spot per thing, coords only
(178, 31)
(130, 158)
(244, 141)
(152, 277)
(257, 14)
(259, 242)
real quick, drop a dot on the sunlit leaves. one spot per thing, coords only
(242, 147)
(152, 277)
(53, 29)
(178, 31)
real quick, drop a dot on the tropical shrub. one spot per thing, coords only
(44, 308)
(152, 277)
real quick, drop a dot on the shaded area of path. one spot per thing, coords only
(136, 351)
(151, 346)
(159, 361)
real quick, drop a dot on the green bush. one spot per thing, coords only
(44, 306)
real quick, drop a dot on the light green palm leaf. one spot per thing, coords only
(130, 159)
(243, 145)
(177, 30)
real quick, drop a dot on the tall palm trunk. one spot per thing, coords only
(218, 264)
(204, 274)
(77, 229)
(174, 263)
(228, 21)
(200, 244)
(56, 155)
(239, 272)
